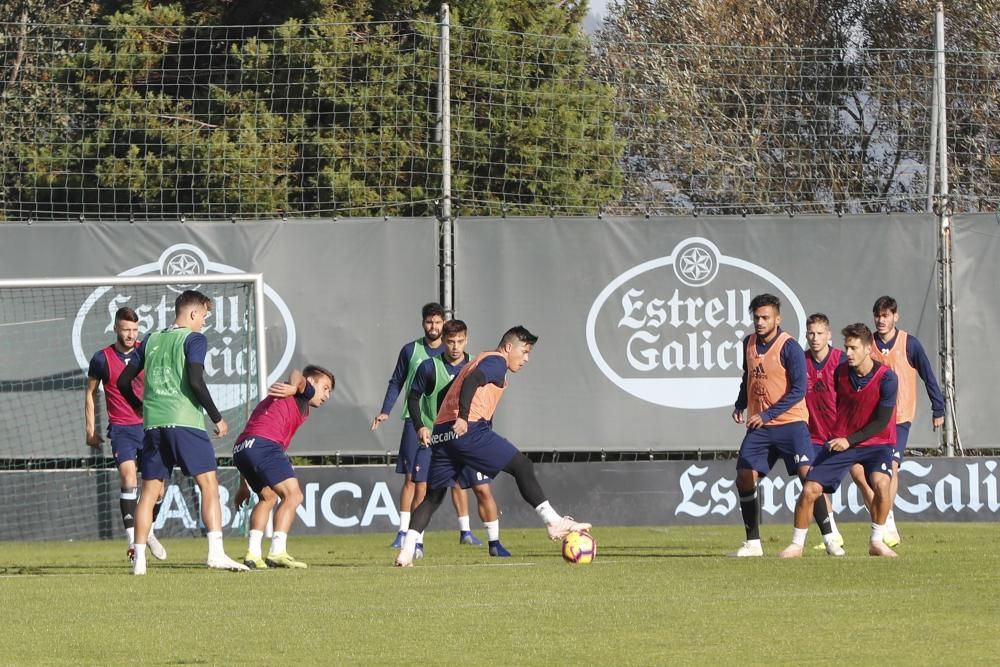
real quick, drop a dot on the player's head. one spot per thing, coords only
(516, 345)
(857, 344)
(766, 311)
(322, 381)
(818, 331)
(432, 316)
(126, 328)
(191, 308)
(455, 336)
(886, 312)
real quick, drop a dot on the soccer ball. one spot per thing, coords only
(579, 547)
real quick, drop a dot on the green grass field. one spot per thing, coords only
(654, 596)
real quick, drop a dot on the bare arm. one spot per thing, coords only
(94, 439)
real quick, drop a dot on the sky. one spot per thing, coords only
(598, 7)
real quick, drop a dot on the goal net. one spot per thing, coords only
(52, 484)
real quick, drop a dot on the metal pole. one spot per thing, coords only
(947, 307)
(262, 370)
(447, 229)
(932, 153)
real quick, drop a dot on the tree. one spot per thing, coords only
(332, 111)
(972, 36)
(760, 106)
(33, 102)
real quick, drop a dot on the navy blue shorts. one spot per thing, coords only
(902, 437)
(763, 447)
(480, 450)
(421, 464)
(262, 462)
(470, 477)
(830, 467)
(467, 479)
(409, 448)
(126, 442)
(169, 446)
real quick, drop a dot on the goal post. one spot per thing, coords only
(52, 485)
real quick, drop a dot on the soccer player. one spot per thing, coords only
(463, 437)
(124, 423)
(904, 354)
(821, 399)
(410, 357)
(864, 434)
(175, 395)
(773, 393)
(430, 385)
(259, 453)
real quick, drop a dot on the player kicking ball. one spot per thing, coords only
(463, 437)
(259, 454)
(864, 434)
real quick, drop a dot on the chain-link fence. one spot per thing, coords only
(344, 119)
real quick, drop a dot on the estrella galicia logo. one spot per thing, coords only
(669, 331)
(231, 357)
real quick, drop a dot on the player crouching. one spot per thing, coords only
(864, 433)
(259, 454)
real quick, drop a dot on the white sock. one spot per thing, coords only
(420, 540)
(463, 524)
(877, 532)
(799, 536)
(279, 542)
(254, 544)
(410, 542)
(140, 553)
(890, 523)
(549, 515)
(754, 543)
(215, 549)
(833, 525)
(404, 521)
(492, 530)
(130, 533)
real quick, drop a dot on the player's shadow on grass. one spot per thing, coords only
(628, 552)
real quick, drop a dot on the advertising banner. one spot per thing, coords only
(977, 317)
(356, 499)
(641, 322)
(343, 295)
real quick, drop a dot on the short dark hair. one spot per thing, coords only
(125, 314)
(431, 309)
(452, 327)
(818, 317)
(189, 298)
(313, 370)
(857, 330)
(884, 303)
(762, 300)
(518, 333)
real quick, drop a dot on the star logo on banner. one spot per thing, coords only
(696, 265)
(183, 265)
